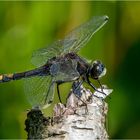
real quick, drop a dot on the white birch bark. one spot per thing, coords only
(81, 119)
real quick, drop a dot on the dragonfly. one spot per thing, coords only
(59, 63)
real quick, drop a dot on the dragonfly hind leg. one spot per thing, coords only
(58, 84)
(58, 92)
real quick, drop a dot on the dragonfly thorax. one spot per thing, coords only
(97, 70)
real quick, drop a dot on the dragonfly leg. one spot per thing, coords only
(88, 81)
(50, 87)
(76, 92)
(101, 87)
(75, 87)
(58, 84)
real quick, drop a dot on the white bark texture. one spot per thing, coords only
(83, 118)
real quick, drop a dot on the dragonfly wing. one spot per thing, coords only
(41, 56)
(49, 95)
(75, 40)
(38, 91)
(79, 37)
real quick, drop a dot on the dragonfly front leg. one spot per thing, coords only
(100, 85)
(89, 82)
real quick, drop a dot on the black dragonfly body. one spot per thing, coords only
(59, 63)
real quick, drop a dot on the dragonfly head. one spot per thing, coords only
(97, 70)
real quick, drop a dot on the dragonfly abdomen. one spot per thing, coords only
(6, 77)
(41, 71)
(9, 77)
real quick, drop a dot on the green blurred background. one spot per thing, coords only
(27, 26)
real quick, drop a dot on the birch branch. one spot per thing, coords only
(83, 118)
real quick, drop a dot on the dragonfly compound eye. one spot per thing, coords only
(97, 70)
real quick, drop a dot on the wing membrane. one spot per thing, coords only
(82, 34)
(41, 56)
(75, 40)
(37, 90)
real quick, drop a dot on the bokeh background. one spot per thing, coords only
(27, 26)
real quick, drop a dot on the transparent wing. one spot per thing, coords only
(39, 90)
(82, 34)
(41, 56)
(75, 40)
